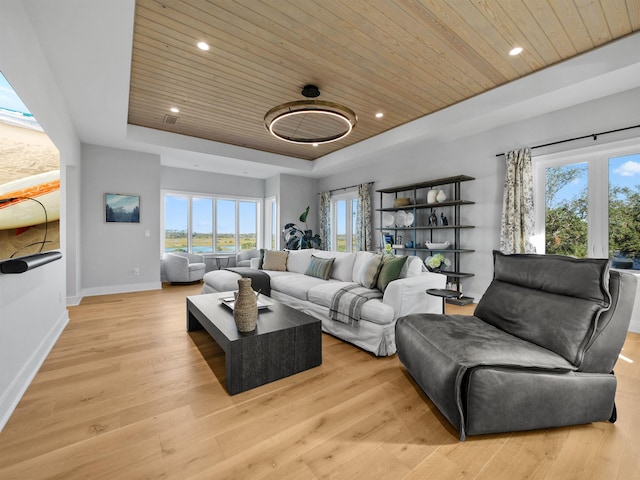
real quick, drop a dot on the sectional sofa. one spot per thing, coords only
(294, 285)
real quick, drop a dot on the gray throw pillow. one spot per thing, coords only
(319, 267)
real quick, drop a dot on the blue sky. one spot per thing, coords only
(8, 97)
(623, 171)
(176, 215)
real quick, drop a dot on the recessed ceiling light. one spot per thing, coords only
(174, 110)
(515, 51)
(203, 46)
(314, 144)
(379, 115)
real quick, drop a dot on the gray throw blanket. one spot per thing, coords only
(260, 281)
(346, 303)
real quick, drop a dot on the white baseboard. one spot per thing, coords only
(10, 398)
(73, 301)
(134, 287)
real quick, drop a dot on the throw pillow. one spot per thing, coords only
(261, 258)
(390, 271)
(370, 271)
(275, 260)
(320, 267)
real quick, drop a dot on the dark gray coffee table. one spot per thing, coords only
(285, 341)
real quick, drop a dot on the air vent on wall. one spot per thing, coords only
(170, 119)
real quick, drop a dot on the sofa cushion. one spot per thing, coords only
(412, 267)
(294, 284)
(275, 260)
(359, 262)
(342, 266)
(298, 260)
(319, 267)
(222, 280)
(374, 310)
(390, 271)
(370, 271)
(550, 300)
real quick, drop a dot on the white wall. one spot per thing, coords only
(111, 251)
(32, 304)
(295, 194)
(476, 156)
(212, 183)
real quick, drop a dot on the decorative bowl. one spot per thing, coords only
(437, 246)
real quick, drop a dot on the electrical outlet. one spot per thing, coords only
(136, 271)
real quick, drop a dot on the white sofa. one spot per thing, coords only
(375, 332)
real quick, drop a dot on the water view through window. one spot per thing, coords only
(190, 220)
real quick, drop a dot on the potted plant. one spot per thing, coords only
(435, 262)
(296, 238)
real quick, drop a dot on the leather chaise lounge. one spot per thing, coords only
(539, 351)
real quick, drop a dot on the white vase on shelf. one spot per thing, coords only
(432, 196)
(441, 196)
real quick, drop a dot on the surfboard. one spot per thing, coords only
(24, 212)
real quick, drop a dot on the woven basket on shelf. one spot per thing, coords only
(401, 202)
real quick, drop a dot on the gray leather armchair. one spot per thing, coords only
(539, 351)
(183, 267)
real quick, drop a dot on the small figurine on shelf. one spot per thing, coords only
(443, 219)
(433, 219)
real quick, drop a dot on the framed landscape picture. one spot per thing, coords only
(121, 208)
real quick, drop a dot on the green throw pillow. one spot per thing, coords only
(391, 268)
(369, 272)
(319, 267)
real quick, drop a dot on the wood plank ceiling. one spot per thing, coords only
(404, 58)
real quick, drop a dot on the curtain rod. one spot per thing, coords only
(593, 135)
(346, 188)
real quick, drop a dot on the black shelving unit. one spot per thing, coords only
(417, 194)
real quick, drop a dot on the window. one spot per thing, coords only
(588, 203)
(189, 222)
(176, 223)
(344, 209)
(272, 236)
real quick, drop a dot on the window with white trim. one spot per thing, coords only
(189, 221)
(344, 208)
(588, 203)
(272, 236)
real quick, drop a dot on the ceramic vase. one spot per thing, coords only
(245, 308)
(441, 196)
(432, 196)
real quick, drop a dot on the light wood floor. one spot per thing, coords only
(127, 393)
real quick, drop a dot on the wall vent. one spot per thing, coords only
(170, 119)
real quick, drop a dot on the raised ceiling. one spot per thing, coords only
(403, 58)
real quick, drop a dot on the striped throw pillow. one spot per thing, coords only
(319, 267)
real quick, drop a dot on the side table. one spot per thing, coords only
(219, 260)
(444, 294)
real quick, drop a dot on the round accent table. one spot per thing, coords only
(444, 294)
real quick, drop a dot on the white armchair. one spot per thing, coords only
(243, 258)
(183, 267)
